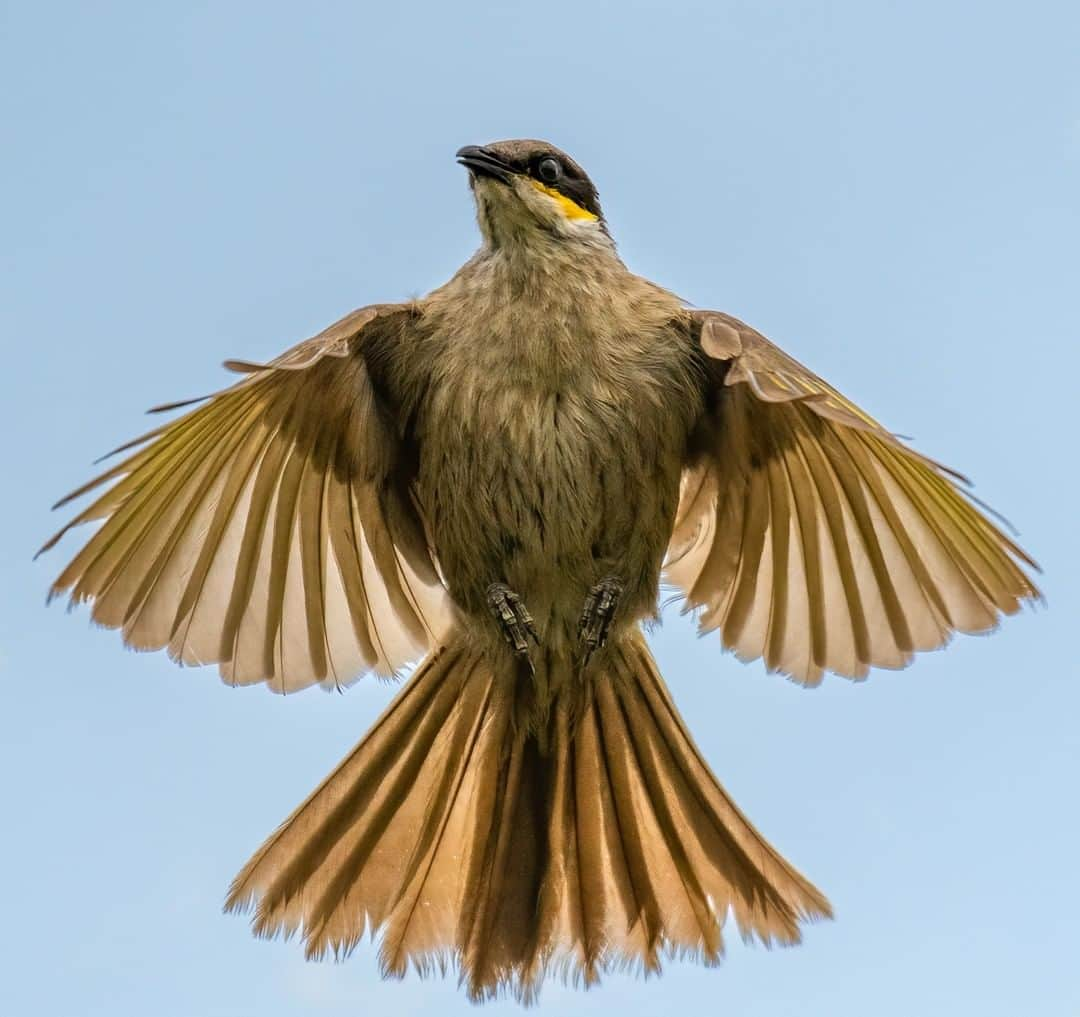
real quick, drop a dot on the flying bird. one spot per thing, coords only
(500, 475)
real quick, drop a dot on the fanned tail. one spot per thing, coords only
(471, 838)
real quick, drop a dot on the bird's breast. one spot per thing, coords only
(549, 463)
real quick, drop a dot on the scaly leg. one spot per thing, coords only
(512, 614)
(600, 607)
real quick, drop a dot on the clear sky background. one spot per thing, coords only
(889, 190)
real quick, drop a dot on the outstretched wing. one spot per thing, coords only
(269, 530)
(816, 539)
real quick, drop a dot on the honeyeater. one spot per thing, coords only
(500, 475)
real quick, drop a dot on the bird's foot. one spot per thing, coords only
(514, 618)
(600, 607)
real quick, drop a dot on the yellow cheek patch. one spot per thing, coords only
(571, 209)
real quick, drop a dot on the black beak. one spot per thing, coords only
(482, 163)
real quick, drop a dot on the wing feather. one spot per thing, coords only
(814, 538)
(256, 530)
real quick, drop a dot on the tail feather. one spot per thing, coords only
(471, 839)
(734, 865)
(341, 858)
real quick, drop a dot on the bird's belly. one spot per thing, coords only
(549, 491)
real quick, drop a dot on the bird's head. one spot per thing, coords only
(529, 189)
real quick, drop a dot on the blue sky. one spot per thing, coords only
(888, 190)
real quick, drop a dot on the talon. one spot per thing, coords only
(514, 618)
(597, 614)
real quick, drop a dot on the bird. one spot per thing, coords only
(498, 480)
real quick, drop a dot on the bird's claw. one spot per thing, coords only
(596, 617)
(513, 617)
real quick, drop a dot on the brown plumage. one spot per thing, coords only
(496, 474)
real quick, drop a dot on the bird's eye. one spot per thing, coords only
(549, 170)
